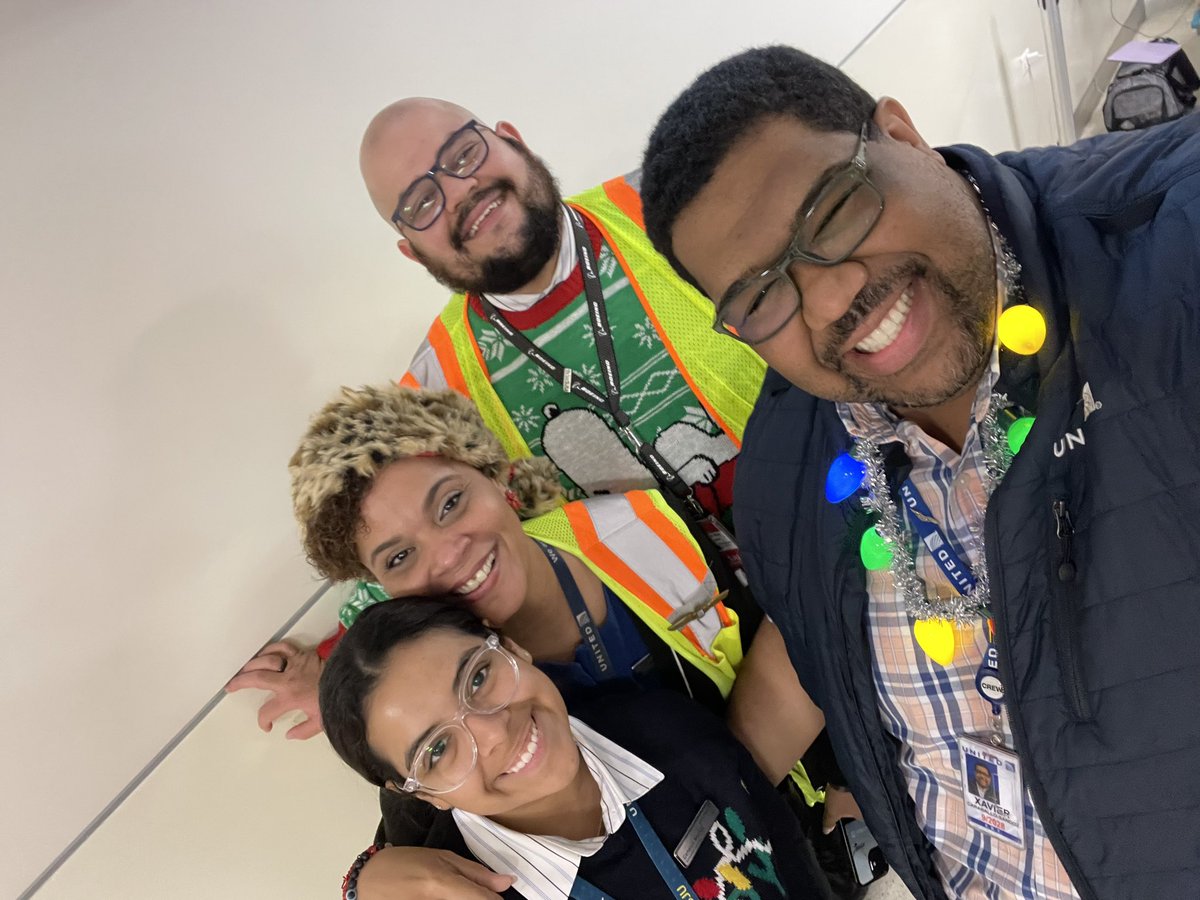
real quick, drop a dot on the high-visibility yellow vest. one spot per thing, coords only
(644, 553)
(724, 375)
(640, 548)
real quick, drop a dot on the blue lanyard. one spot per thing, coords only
(588, 629)
(957, 572)
(663, 861)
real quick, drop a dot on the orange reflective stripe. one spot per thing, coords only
(657, 521)
(654, 519)
(409, 380)
(443, 347)
(658, 327)
(627, 200)
(617, 568)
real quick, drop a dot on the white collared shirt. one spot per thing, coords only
(562, 270)
(545, 866)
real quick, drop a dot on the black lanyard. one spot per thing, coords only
(588, 629)
(575, 383)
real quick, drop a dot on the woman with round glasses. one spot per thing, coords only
(636, 795)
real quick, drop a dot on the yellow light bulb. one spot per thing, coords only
(936, 638)
(1022, 329)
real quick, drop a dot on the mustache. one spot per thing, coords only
(867, 301)
(501, 186)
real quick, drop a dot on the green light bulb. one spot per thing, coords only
(874, 550)
(1017, 432)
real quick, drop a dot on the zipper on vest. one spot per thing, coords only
(1065, 615)
(1064, 531)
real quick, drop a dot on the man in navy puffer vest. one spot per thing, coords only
(870, 271)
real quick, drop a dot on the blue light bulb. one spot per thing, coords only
(846, 475)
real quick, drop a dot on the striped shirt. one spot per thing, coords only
(545, 866)
(927, 707)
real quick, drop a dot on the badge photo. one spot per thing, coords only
(993, 793)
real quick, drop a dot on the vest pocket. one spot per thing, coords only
(1064, 613)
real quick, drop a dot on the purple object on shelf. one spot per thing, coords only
(1153, 52)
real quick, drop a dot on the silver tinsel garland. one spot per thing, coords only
(960, 608)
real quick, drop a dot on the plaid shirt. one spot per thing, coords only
(926, 707)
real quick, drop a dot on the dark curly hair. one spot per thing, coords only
(706, 120)
(359, 660)
(362, 431)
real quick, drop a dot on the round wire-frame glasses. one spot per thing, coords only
(487, 683)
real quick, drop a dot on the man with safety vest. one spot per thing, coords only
(572, 335)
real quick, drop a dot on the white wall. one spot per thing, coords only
(188, 268)
(973, 71)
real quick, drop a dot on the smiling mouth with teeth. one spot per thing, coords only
(487, 211)
(527, 755)
(479, 577)
(889, 329)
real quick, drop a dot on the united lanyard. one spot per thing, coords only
(958, 573)
(609, 400)
(663, 861)
(579, 611)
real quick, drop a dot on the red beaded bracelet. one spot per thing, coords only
(350, 881)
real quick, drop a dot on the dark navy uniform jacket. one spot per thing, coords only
(1101, 657)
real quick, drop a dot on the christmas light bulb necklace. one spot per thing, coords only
(886, 545)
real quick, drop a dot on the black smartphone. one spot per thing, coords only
(865, 856)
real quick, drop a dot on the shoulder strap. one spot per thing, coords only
(456, 348)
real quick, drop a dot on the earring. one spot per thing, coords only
(511, 498)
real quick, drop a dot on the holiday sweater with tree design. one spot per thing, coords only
(580, 439)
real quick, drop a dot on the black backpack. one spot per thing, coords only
(1144, 94)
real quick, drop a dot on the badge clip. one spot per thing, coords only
(688, 614)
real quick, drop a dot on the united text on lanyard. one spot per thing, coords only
(958, 573)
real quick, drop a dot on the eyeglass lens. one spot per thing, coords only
(460, 157)
(838, 221)
(448, 757)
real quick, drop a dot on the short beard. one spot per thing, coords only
(970, 302)
(534, 246)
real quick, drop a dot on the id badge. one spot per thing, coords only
(696, 833)
(992, 787)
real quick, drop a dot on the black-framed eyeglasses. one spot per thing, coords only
(447, 757)
(459, 157)
(830, 229)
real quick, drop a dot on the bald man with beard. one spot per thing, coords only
(476, 208)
